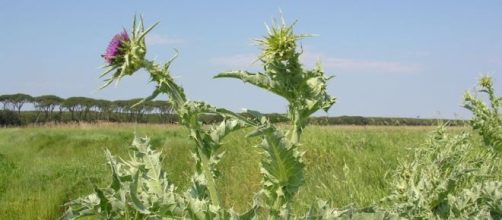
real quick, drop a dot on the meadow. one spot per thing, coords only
(363, 172)
(41, 168)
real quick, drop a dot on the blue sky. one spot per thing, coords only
(389, 58)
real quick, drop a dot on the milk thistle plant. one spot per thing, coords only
(140, 187)
(487, 119)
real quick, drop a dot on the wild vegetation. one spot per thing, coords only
(43, 167)
(303, 173)
(446, 178)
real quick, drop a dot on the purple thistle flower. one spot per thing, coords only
(113, 49)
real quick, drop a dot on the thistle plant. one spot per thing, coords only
(445, 178)
(440, 171)
(282, 166)
(487, 120)
(448, 177)
(304, 90)
(125, 56)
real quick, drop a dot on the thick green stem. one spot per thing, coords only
(297, 128)
(211, 184)
(276, 209)
(166, 83)
(178, 99)
(295, 137)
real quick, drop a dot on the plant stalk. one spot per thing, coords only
(275, 215)
(211, 184)
(295, 137)
(297, 128)
(157, 73)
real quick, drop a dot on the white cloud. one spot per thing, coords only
(343, 65)
(157, 39)
(359, 66)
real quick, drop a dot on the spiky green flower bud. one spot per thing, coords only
(486, 81)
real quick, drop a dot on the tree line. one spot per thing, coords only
(51, 108)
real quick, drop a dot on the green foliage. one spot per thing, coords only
(9, 118)
(47, 104)
(53, 164)
(140, 189)
(487, 120)
(129, 195)
(449, 177)
(322, 210)
(482, 201)
(444, 179)
(15, 101)
(282, 169)
(439, 171)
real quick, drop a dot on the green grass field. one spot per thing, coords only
(41, 168)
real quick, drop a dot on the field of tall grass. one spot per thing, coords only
(41, 168)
